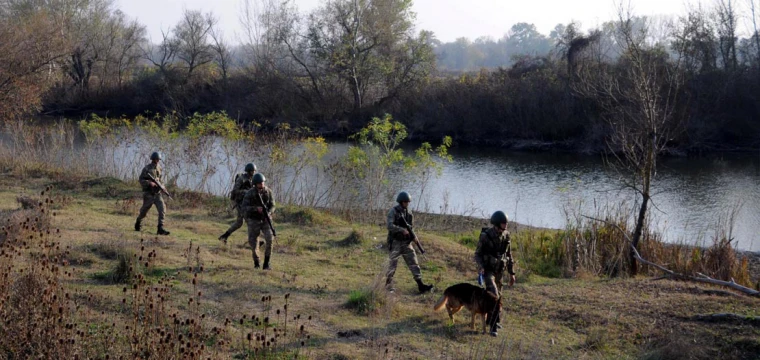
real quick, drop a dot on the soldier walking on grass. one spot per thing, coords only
(243, 183)
(400, 240)
(258, 206)
(493, 256)
(149, 180)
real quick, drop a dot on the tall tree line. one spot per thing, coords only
(333, 68)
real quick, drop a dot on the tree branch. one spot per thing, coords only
(699, 278)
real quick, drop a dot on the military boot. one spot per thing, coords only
(162, 231)
(266, 263)
(138, 226)
(495, 326)
(494, 321)
(224, 237)
(389, 285)
(256, 262)
(422, 287)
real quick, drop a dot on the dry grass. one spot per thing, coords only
(189, 283)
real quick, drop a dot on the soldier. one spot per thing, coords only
(243, 183)
(152, 193)
(400, 243)
(493, 256)
(256, 201)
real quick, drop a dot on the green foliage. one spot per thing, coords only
(470, 240)
(167, 125)
(97, 127)
(383, 136)
(214, 123)
(541, 253)
(423, 160)
(363, 301)
(379, 150)
(304, 216)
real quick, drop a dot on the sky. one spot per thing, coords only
(448, 19)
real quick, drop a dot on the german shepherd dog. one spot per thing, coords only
(474, 298)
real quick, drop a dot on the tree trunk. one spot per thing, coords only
(648, 172)
(638, 232)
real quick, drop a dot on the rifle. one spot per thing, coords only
(266, 213)
(413, 235)
(160, 186)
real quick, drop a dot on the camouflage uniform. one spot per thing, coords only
(243, 183)
(494, 255)
(151, 195)
(401, 245)
(257, 223)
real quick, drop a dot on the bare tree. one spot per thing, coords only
(638, 97)
(161, 55)
(128, 50)
(697, 41)
(259, 19)
(725, 24)
(222, 54)
(192, 40)
(753, 12)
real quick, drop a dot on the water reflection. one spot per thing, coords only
(691, 194)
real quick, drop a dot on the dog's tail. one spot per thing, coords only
(441, 302)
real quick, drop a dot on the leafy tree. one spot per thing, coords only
(378, 151)
(367, 46)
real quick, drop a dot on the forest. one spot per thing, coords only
(334, 68)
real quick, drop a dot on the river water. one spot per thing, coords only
(691, 194)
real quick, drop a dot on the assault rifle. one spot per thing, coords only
(266, 213)
(161, 186)
(413, 235)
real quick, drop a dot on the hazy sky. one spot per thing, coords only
(448, 19)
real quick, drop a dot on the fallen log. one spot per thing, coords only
(699, 278)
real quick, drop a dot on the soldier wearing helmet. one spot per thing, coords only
(257, 200)
(493, 256)
(152, 193)
(400, 242)
(243, 183)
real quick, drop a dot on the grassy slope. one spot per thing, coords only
(545, 318)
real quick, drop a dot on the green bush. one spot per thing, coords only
(540, 253)
(365, 301)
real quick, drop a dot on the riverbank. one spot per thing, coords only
(329, 269)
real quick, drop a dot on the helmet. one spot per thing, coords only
(258, 178)
(499, 217)
(403, 196)
(156, 156)
(250, 167)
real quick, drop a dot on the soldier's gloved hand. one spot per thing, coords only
(406, 232)
(511, 280)
(260, 209)
(152, 184)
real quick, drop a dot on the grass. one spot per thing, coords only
(328, 269)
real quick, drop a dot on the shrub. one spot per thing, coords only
(366, 301)
(355, 238)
